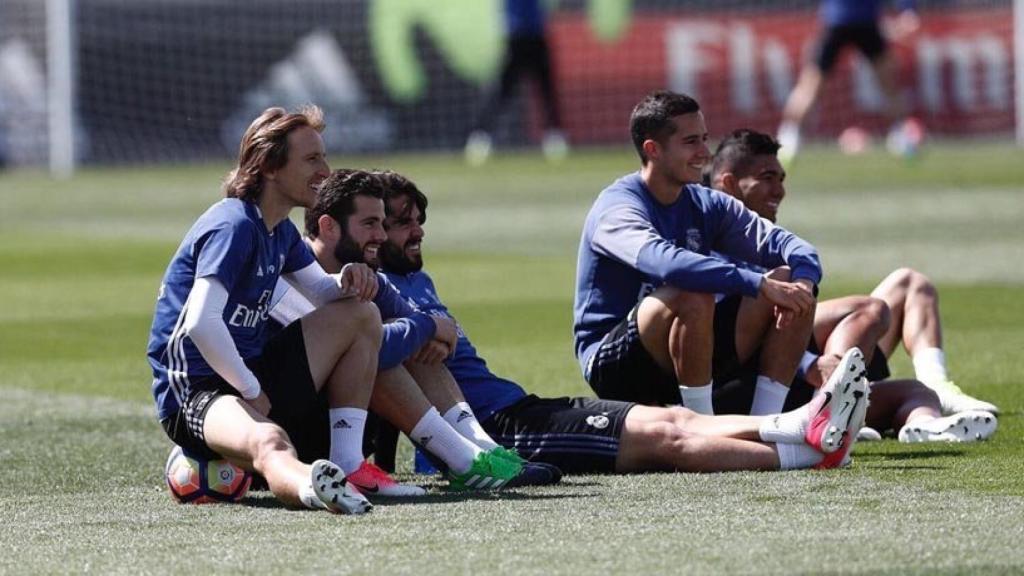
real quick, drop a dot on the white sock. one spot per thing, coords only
(786, 428)
(347, 426)
(769, 396)
(930, 365)
(309, 498)
(797, 456)
(697, 398)
(461, 418)
(789, 136)
(440, 439)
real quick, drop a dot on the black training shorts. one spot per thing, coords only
(866, 37)
(578, 435)
(283, 372)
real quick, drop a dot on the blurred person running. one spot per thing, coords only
(853, 23)
(526, 53)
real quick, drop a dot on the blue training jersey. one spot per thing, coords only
(847, 12)
(231, 243)
(632, 244)
(485, 392)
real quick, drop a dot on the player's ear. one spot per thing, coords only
(651, 149)
(728, 183)
(328, 227)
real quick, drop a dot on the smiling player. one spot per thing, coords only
(646, 324)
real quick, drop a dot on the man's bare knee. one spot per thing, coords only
(681, 416)
(265, 440)
(351, 315)
(921, 284)
(878, 313)
(667, 304)
(667, 441)
(691, 304)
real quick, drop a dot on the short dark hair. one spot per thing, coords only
(398, 186)
(336, 197)
(737, 150)
(652, 117)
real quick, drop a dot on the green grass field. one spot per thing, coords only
(81, 454)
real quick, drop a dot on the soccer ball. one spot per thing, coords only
(197, 481)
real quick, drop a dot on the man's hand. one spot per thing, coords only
(447, 332)
(358, 281)
(433, 352)
(791, 299)
(260, 403)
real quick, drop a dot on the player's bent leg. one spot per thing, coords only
(437, 384)
(233, 429)
(397, 398)
(676, 329)
(914, 303)
(343, 332)
(852, 321)
(781, 350)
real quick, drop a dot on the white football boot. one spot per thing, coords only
(970, 426)
(337, 494)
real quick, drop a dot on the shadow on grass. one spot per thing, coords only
(267, 500)
(910, 454)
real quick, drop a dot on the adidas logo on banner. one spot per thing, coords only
(318, 71)
(342, 425)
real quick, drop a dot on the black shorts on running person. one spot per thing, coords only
(283, 372)
(578, 435)
(867, 37)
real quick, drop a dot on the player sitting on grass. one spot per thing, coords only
(646, 324)
(903, 307)
(344, 227)
(587, 435)
(221, 388)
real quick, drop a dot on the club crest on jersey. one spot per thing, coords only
(599, 421)
(693, 240)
